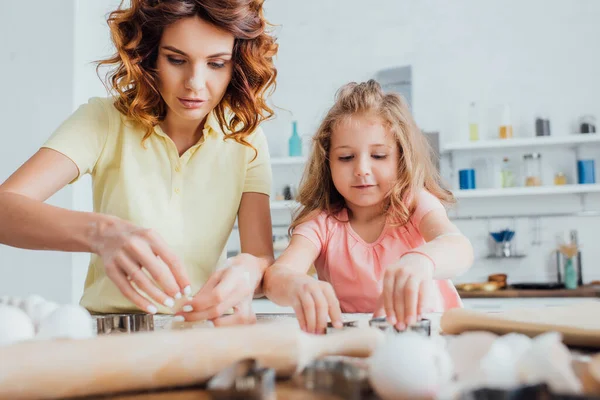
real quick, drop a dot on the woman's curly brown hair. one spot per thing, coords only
(136, 32)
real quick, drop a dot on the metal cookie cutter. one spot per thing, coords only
(124, 323)
(243, 380)
(338, 378)
(346, 325)
(422, 327)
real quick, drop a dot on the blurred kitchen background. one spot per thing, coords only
(506, 90)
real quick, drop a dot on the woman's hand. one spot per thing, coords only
(313, 301)
(136, 256)
(407, 290)
(229, 288)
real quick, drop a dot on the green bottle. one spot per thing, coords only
(295, 142)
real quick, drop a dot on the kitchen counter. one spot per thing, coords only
(583, 291)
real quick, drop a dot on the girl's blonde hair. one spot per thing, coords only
(416, 170)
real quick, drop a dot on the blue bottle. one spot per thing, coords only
(295, 142)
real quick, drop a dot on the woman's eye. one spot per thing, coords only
(216, 65)
(345, 158)
(379, 156)
(175, 61)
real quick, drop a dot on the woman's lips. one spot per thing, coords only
(191, 103)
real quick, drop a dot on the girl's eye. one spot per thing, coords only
(379, 156)
(345, 158)
(216, 65)
(175, 61)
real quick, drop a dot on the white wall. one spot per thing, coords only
(36, 76)
(539, 56)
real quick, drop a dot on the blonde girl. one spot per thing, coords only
(372, 220)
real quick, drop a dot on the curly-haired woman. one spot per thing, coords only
(175, 155)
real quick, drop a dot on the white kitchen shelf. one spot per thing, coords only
(284, 205)
(288, 160)
(527, 191)
(546, 141)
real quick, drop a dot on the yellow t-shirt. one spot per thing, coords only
(191, 201)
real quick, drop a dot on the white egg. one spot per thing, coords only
(41, 311)
(549, 361)
(66, 322)
(466, 351)
(30, 303)
(15, 325)
(409, 365)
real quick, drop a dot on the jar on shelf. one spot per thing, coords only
(533, 169)
(560, 179)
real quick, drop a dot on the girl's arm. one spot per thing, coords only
(286, 283)
(448, 248)
(295, 261)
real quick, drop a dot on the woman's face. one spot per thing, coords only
(194, 67)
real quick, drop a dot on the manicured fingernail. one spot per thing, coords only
(401, 326)
(411, 321)
(179, 318)
(338, 325)
(188, 308)
(177, 295)
(392, 320)
(187, 290)
(152, 309)
(169, 302)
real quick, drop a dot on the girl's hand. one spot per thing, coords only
(313, 302)
(229, 288)
(136, 256)
(407, 290)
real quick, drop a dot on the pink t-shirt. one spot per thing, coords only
(355, 268)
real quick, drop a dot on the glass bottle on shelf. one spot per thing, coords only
(508, 177)
(473, 122)
(506, 129)
(533, 169)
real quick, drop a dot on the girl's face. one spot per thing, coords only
(194, 67)
(364, 161)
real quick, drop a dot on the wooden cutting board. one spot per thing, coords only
(111, 364)
(579, 323)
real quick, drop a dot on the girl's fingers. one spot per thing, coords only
(387, 294)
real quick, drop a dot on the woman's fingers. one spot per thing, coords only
(162, 250)
(142, 281)
(321, 310)
(119, 278)
(141, 252)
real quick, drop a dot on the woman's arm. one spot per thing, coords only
(27, 222)
(256, 233)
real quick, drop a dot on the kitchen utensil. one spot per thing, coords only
(124, 323)
(578, 323)
(244, 380)
(422, 327)
(336, 377)
(149, 360)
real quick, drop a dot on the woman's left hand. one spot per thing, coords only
(229, 288)
(407, 290)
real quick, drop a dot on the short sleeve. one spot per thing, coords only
(314, 230)
(426, 202)
(82, 136)
(258, 172)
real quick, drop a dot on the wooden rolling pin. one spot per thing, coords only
(578, 323)
(150, 360)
